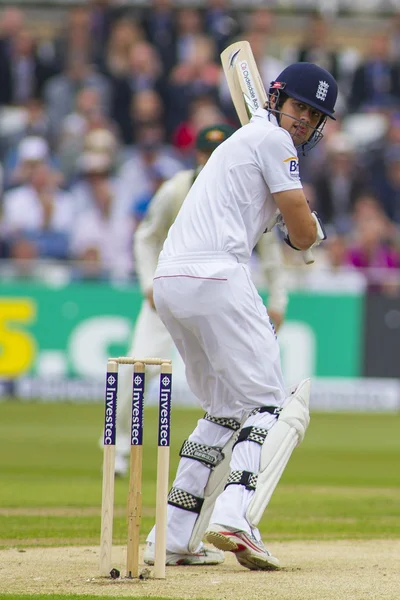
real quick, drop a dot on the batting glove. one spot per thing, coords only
(321, 234)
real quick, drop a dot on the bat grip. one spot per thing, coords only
(308, 257)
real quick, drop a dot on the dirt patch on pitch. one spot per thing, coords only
(339, 570)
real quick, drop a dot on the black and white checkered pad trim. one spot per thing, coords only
(223, 422)
(184, 500)
(249, 480)
(252, 434)
(210, 456)
(272, 410)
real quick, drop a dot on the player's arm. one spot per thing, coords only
(280, 169)
(269, 250)
(300, 223)
(150, 235)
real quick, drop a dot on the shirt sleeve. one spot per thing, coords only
(279, 162)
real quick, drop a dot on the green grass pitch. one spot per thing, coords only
(343, 482)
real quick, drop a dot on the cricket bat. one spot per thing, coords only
(247, 90)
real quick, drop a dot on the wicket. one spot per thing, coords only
(136, 455)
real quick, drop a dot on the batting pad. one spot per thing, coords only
(282, 439)
(215, 486)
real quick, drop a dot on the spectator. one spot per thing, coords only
(34, 122)
(61, 91)
(141, 203)
(23, 73)
(145, 73)
(102, 16)
(88, 115)
(203, 112)
(102, 233)
(189, 25)
(22, 159)
(39, 213)
(196, 75)
(394, 37)
(376, 152)
(261, 21)
(316, 46)
(387, 184)
(12, 22)
(97, 162)
(220, 24)
(147, 108)
(371, 251)
(125, 33)
(376, 80)
(75, 38)
(159, 23)
(331, 272)
(150, 156)
(338, 183)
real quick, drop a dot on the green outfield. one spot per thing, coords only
(343, 482)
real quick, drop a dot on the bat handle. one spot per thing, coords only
(308, 257)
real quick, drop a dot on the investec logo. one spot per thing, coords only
(165, 411)
(109, 428)
(249, 84)
(137, 411)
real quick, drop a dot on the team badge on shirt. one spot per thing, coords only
(293, 164)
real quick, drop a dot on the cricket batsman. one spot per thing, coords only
(203, 291)
(150, 337)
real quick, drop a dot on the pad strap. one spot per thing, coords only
(245, 478)
(223, 422)
(210, 456)
(252, 434)
(272, 410)
(185, 500)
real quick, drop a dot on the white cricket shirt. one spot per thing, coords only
(230, 203)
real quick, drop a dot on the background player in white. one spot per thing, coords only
(205, 297)
(150, 337)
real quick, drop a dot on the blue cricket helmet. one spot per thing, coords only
(309, 83)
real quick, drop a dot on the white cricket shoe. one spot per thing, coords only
(205, 556)
(250, 552)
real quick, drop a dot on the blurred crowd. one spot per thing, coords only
(97, 115)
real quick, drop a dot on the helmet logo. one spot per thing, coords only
(215, 135)
(322, 90)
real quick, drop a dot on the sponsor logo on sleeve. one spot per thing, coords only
(293, 164)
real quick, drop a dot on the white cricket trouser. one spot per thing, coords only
(222, 331)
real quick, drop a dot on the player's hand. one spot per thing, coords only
(321, 234)
(150, 299)
(276, 318)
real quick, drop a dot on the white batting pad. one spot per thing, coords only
(282, 439)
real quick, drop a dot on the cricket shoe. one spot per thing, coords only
(250, 552)
(205, 556)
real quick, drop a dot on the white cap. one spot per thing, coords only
(100, 140)
(33, 148)
(95, 162)
(340, 143)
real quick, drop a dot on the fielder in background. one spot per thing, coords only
(203, 291)
(150, 337)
